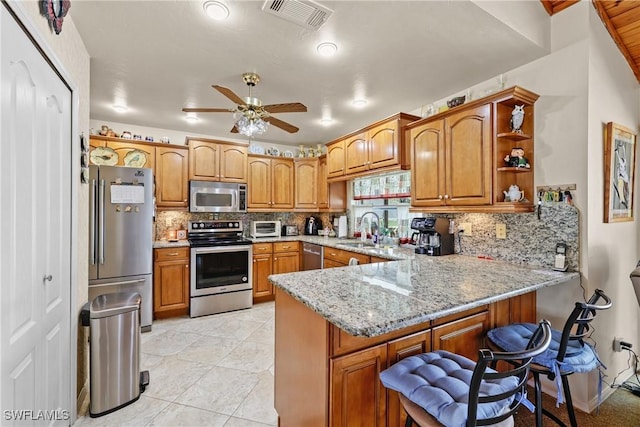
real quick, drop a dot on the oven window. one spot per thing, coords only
(221, 269)
(214, 199)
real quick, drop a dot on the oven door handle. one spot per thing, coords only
(219, 249)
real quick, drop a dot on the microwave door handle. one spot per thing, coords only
(92, 221)
(101, 223)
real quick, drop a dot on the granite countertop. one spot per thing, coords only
(373, 299)
(158, 244)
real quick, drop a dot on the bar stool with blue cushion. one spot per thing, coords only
(568, 352)
(443, 388)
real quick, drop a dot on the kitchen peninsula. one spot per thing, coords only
(336, 329)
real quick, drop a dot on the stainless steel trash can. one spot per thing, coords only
(115, 377)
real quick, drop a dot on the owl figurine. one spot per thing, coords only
(517, 117)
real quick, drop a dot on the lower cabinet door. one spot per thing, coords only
(464, 336)
(261, 271)
(171, 286)
(353, 401)
(399, 349)
(329, 263)
(286, 262)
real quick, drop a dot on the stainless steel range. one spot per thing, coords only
(221, 267)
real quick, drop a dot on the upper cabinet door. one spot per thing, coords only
(335, 159)
(306, 171)
(259, 183)
(233, 163)
(383, 145)
(204, 161)
(172, 177)
(282, 183)
(428, 164)
(356, 151)
(469, 167)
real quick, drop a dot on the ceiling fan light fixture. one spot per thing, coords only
(250, 123)
(326, 121)
(191, 119)
(327, 49)
(216, 9)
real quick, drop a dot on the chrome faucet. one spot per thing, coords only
(377, 232)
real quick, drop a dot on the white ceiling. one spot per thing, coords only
(160, 56)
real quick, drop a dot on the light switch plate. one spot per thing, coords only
(501, 231)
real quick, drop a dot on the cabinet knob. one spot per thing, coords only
(275, 259)
(440, 196)
(254, 260)
(173, 254)
(186, 266)
(446, 196)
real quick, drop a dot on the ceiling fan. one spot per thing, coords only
(250, 115)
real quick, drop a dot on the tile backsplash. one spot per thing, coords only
(529, 240)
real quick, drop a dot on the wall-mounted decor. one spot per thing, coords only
(619, 168)
(55, 11)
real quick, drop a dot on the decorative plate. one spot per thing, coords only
(256, 149)
(135, 159)
(287, 154)
(104, 156)
(273, 151)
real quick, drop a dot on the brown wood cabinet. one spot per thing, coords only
(451, 159)
(458, 156)
(350, 388)
(272, 258)
(313, 192)
(335, 159)
(211, 160)
(270, 184)
(170, 282)
(172, 177)
(358, 398)
(379, 147)
(307, 184)
(339, 258)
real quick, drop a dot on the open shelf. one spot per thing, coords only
(514, 169)
(514, 136)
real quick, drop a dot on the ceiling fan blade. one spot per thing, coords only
(234, 129)
(229, 94)
(208, 110)
(282, 125)
(291, 107)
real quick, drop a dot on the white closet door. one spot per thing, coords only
(35, 240)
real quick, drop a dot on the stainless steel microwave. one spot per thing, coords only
(208, 196)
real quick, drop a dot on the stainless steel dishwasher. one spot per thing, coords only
(312, 256)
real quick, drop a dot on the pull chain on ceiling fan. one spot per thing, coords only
(250, 116)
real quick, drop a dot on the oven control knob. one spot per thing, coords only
(230, 224)
(244, 278)
(237, 224)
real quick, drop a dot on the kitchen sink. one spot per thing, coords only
(357, 245)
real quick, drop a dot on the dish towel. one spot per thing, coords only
(342, 226)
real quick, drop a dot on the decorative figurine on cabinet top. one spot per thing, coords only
(517, 117)
(517, 159)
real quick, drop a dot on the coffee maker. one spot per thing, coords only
(433, 236)
(311, 225)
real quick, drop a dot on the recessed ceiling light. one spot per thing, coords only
(191, 119)
(119, 108)
(359, 103)
(327, 49)
(216, 9)
(326, 121)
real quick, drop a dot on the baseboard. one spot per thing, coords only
(83, 400)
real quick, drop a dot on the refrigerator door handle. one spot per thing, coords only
(92, 221)
(101, 223)
(126, 282)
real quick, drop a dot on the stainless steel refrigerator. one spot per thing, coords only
(121, 214)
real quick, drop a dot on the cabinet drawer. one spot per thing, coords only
(344, 256)
(285, 247)
(171, 254)
(262, 248)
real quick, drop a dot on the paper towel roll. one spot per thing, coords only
(342, 226)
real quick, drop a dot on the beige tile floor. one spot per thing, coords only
(209, 371)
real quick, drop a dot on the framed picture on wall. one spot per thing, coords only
(619, 168)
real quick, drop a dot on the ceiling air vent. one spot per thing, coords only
(305, 13)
